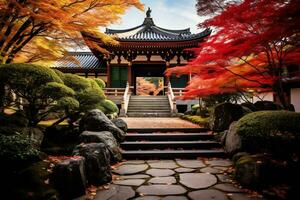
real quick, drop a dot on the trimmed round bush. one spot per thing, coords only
(276, 132)
(16, 151)
(100, 82)
(109, 107)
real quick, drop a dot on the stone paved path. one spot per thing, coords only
(158, 122)
(174, 180)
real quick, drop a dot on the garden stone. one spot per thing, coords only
(238, 155)
(130, 169)
(69, 177)
(161, 190)
(134, 162)
(182, 169)
(266, 105)
(163, 180)
(249, 105)
(174, 198)
(226, 187)
(197, 180)
(160, 172)
(115, 192)
(191, 163)
(97, 162)
(224, 178)
(224, 114)
(95, 120)
(148, 198)
(242, 196)
(252, 171)
(121, 124)
(210, 170)
(106, 138)
(129, 182)
(136, 176)
(219, 163)
(210, 194)
(223, 138)
(233, 142)
(164, 164)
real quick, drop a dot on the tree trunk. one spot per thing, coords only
(280, 93)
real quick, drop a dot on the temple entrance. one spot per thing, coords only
(149, 86)
(148, 79)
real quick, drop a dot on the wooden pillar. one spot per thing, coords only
(129, 73)
(108, 70)
(167, 77)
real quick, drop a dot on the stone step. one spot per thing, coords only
(171, 154)
(148, 108)
(142, 114)
(148, 111)
(168, 130)
(146, 145)
(168, 136)
(149, 105)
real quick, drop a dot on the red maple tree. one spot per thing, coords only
(253, 43)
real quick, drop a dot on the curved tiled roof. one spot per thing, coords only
(148, 31)
(79, 60)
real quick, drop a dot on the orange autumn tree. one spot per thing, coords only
(31, 30)
(253, 44)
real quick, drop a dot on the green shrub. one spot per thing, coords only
(108, 106)
(77, 83)
(196, 119)
(100, 82)
(276, 132)
(16, 151)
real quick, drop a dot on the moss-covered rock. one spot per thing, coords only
(276, 132)
(224, 114)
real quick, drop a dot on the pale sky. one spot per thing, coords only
(169, 14)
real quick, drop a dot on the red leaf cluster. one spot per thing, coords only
(254, 41)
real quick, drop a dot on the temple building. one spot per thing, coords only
(146, 50)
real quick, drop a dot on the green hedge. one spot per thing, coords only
(276, 132)
(196, 119)
(16, 151)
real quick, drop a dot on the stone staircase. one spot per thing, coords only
(170, 143)
(149, 106)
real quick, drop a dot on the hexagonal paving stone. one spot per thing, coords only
(170, 164)
(219, 162)
(224, 178)
(207, 195)
(161, 190)
(135, 176)
(191, 163)
(160, 172)
(130, 169)
(129, 182)
(115, 192)
(182, 169)
(134, 162)
(227, 187)
(210, 170)
(163, 180)
(174, 198)
(197, 180)
(148, 198)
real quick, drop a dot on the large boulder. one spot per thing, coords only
(233, 142)
(267, 105)
(121, 124)
(60, 140)
(69, 178)
(97, 162)
(224, 114)
(249, 105)
(95, 120)
(106, 138)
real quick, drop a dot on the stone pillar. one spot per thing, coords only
(167, 79)
(108, 74)
(129, 73)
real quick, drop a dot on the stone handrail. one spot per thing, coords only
(171, 98)
(125, 100)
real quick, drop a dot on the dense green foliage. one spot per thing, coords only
(100, 82)
(38, 86)
(270, 131)
(196, 119)
(16, 151)
(108, 107)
